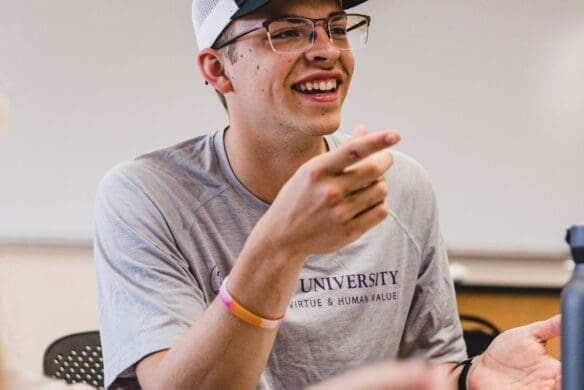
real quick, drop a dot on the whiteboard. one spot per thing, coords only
(488, 96)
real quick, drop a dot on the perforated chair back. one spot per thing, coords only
(75, 358)
(478, 333)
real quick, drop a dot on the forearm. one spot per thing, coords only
(265, 276)
(220, 350)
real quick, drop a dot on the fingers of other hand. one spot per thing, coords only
(357, 149)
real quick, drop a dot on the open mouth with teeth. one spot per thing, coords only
(317, 86)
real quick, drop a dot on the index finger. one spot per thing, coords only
(357, 149)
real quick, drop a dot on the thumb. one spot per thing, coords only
(547, 329)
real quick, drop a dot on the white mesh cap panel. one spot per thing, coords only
(201, 9)
(210, 17)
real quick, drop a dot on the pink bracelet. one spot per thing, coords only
(243, 314)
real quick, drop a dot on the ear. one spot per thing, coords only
(210, 63)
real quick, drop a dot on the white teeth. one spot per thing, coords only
(323, 85)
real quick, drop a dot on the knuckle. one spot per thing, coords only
(349, 232)
(341, 214)
(330, 195)
(354, 154)
(383, 210)
(371, 170)
(383, 188)
(314, 170)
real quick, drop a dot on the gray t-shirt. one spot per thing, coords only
(169, 226)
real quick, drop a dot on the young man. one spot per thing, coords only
(295, 214)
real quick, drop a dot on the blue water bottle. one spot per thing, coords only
(573, 316)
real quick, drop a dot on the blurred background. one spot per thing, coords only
(488, 96)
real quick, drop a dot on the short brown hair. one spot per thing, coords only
(230, 52)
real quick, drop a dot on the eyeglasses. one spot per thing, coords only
(295, 34)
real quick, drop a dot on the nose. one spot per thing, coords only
(323, 49)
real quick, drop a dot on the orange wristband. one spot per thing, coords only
(243, 314)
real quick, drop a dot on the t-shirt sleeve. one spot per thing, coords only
(433, 331)
(147, 295)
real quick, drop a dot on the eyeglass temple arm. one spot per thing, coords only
(235, 38)
(357, 25)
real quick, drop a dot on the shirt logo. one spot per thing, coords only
(346, 290)
(215, 279)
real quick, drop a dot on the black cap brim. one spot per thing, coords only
(250, 6)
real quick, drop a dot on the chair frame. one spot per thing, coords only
(75, 358)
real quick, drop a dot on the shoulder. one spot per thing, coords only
(409, 182)
(409, 174)
(412, 200)
(189, 167)
(178, 178)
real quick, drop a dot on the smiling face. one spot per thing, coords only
(293, 93)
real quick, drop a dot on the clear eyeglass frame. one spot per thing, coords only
(294, 34)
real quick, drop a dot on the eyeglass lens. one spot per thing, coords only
(346, 32)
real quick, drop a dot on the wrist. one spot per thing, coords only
(243, 313)
(277, 241)
(471, 383)
(264, 277)
(266, 254)
(461, 374)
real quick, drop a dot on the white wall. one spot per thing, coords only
(488, 95)
(90, 84)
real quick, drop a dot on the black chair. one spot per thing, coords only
(478, 333)
(75, 358)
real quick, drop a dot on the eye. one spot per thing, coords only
(338, 31)
(288, 33)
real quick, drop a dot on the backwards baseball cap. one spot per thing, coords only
(210, 17)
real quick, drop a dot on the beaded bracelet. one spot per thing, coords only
(243, 314)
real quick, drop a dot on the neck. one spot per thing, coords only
(264, 164)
